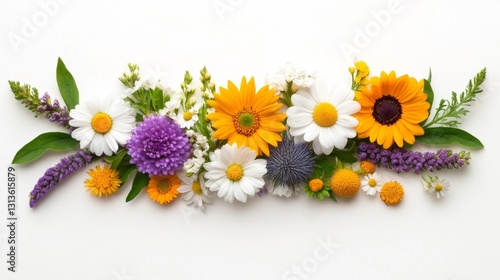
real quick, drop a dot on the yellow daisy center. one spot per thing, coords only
(101, 123)
(387, 110)
(102, 181)
(246, 122)
(234, 172)
(187, 116)
(372, 182)
(345, 183)
(438, 187)
(196, 187)
(392, 193)
(315, 185)
(325, 114)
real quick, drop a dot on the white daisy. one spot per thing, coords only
(235, 173)
(189, 118)
(194, 190)
(435, 186)
(323, 117)
(102, 124)
(372, 184)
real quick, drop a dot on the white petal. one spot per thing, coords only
(317, 147)
(319, 91)
(311, 133)
(299, 119)
(303, 101)
(238, 192)
(347, 121)
(348, 108)
(326, 136)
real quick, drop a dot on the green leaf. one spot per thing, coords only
(430, 97)
(55, 141)
(67, 85)
(345, 156)
(116, 160)
(441, 136)
(125, 172)
(141, 180)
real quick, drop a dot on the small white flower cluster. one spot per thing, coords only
(300, 78)
(200, 152)
(149, 79)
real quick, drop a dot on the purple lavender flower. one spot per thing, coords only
(53, 111)
(402, 160)
(57, 173)
(158, 146)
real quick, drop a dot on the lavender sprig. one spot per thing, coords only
(57, 173)
(402, 160)
(53, 111)
(41, 106)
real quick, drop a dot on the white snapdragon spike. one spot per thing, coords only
(102, 124)
(323, 117)
(235, 173)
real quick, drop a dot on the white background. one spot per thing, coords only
(72, 235)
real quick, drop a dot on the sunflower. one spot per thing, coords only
(391, 109)
(247, 118)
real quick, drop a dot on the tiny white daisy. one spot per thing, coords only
(323, 117)
(186, 119)
(235, 173)
(194, 190)
(102, 124)
(372, 184)
(435, 186)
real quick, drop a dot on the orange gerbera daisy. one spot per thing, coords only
(247, 118)
(391, 109)
(163, 189)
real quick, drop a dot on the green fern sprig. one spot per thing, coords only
(449, 112)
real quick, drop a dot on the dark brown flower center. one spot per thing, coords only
(387, 110)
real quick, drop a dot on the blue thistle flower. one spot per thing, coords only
(289, 165)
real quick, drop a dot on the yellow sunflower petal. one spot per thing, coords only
(246, 117)
(396, 106)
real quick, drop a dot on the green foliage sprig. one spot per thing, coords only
(449, 112)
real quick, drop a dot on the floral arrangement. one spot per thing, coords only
(287, 136)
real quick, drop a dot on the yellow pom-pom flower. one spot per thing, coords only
(392, 193)
(345, 183)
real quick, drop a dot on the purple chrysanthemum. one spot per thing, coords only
(402, 160)
(158, 146)
(57, 173)
(288, 166)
